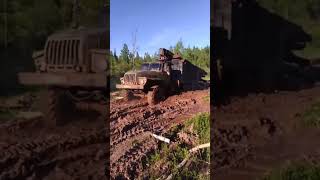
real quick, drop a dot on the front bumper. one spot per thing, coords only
(129, 86)
(94, 80)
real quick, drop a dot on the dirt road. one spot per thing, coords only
(257, 133)
(133, 122)
(29, 149)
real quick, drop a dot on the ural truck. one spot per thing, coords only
(253, 50)
(170, 74)
(73, 65)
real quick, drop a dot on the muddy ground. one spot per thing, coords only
(252, 135)
(29, 149)
(133, 122)
(260, 132)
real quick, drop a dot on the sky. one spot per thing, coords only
(159, 24)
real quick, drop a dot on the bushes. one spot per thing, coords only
(305, 13)
(123, 62)
(295, 172)
(311, 117)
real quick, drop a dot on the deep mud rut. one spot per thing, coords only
(131, 125)
(29, 149)
(255, 134)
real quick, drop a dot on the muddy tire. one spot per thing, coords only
(128, 95)
(59, 105)
(153, 96)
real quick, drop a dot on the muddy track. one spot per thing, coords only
(130, 164)
(256, 133)
(154, 119)
(36, 158)
(30, 149)
(135, 121)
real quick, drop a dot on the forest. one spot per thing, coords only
(25, 25)
(305, 13)
(126, 60)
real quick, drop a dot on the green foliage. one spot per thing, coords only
(201, 123)
(7, 114)
(124, 55)
(25, 26)
(177, 156)
(295, 172)
(197, 56)
(33, 20)
(311, 118)
(119, 65)
(155, 158)
(207, 98)
(305, 13)
(190, 174)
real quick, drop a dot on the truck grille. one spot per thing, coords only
(130, 79)
(62, 54)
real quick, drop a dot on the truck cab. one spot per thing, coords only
(72, 58)
(73, 66)
(167, 75)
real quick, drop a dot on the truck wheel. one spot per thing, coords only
(59, 105)
(153, 96)
(128, 95)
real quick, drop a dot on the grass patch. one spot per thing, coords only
(201, 126)
(155, 158)
(295, 172)
(190, 174)
(113, 81)
(207, 77)
(311, 117)
(7, 114)
(207, 98)
(177, 155)
(173, 155)
(170, 156)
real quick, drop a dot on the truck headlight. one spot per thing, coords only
(99, 60)
(142, 80)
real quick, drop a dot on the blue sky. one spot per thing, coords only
(159, 23)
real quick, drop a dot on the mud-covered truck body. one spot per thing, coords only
(158, 79)
(73, 64)
(253, 49)
(75, 58)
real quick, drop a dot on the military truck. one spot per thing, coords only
(253, 50)
(73, 66)
(170, 74)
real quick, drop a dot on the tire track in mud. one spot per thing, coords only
(258, 132)
(116, 113)
(31, 149)
(154, 119)
(137, 120)
(36, 158)
(130, 164)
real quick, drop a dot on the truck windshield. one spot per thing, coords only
(154, 66)
(145, 67)
(150, 67)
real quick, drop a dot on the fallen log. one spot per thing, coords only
(191, 151)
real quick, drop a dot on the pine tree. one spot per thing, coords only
(124, 54)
